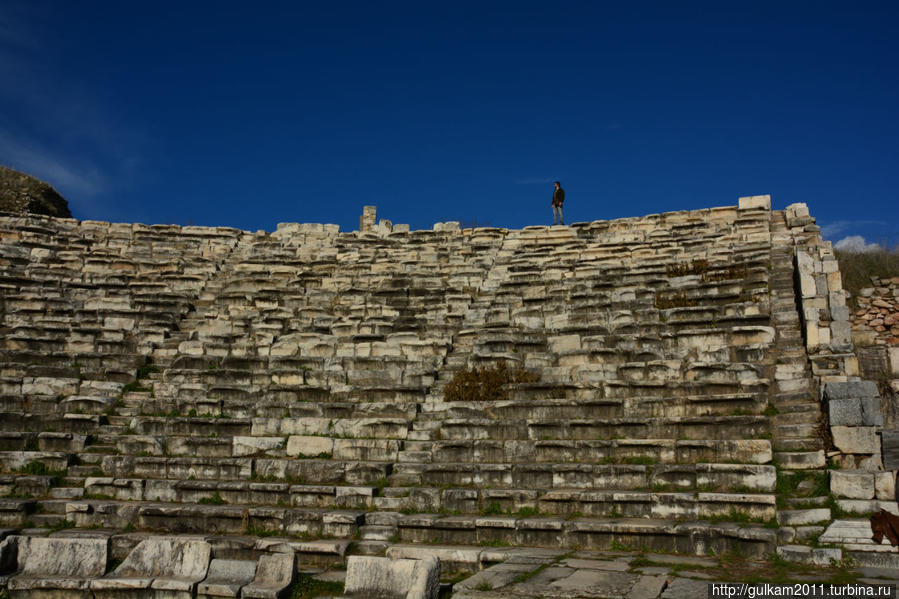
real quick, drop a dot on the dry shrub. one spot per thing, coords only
(486, 384)
(696, 267)
(708, 273)
(675, 300)
(858, 268)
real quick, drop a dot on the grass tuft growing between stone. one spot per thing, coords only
(486, 384)
(307, 587)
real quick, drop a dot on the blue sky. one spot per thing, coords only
(246, 115)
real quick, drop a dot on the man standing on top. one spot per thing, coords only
(558, 200)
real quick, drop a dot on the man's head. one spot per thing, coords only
(557, 185)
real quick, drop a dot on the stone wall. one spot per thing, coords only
(854, 406)
(876, 321)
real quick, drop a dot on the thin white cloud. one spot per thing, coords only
(67, 177)
(856, 243)
(833, 229)
(81, 145)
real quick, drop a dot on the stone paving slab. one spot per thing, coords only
(597, 583)
(621, 565)
(685, 588)
(648, 587)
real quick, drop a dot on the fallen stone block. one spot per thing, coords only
(392, 579)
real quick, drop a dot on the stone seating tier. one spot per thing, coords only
(74, 564)
(186, 379)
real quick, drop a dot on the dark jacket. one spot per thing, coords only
(558, 196)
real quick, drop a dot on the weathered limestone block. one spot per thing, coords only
(109, 389)
(823, 556)
(120, 489)
(174, 565)
(226, 577)
(885, 485)
(199, 447)
(58, 563)
(368, 219)
(850, 390)
(15, 460)
(392, 578)
(802, 517)
(381, 428)
(67, 442)
(856, 439)
(756, 477)
(244, 446)
(274, 573)
(748, 202)
(290, 426)
(845, 412)
(871, 412)
(306, 445)
(83, 404)
(381, 450)
(49, 386)
(160, 490)
(852, 485)
(854, 531)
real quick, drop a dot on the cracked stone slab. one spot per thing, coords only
(495, 577)
(685, 588)
(648, 587)
(681, 560)
(595, 564)
(597, 583)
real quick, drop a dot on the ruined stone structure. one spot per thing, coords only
(23, 194)
(283, 394)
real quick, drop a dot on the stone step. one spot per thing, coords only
(750, 477)
(798, 444)
(46, 520)
(609, 452)
(377, 533)
(323, 471)
(15, 512)
(806, 409)
(224, 519)
(417, 446)
(419, 457)
(796, 431)
(66, 492)
(803, 517)
(689, 405)
(797, 415)
(426, 533)
(793, 385)
(701, 427)
(800, 460)
(800, 397)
